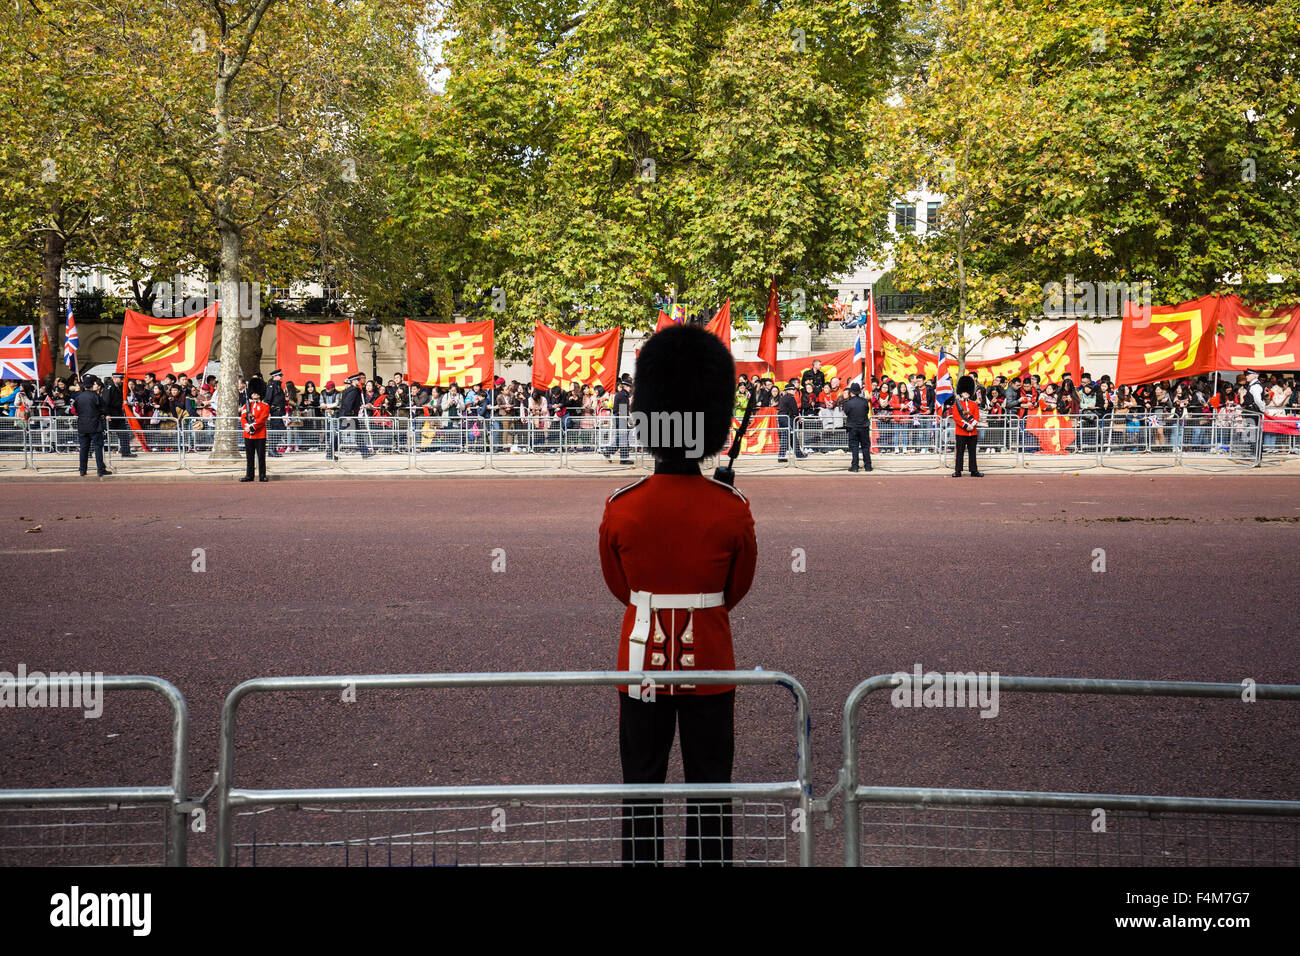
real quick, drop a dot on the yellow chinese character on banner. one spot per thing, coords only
(452, 356)
(582, 361)
(1186, 349)
(167, 338)
(1260, 336)
(1053, 364)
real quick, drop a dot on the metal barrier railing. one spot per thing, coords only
(17, 804)
(436, 444)
(991, 827)
(477, 833)
(13, 444)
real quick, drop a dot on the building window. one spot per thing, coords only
(904, 217)
(931, 215)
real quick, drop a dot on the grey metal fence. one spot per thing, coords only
(113, 825)
(552, 823)
(13, 444)
(933, 825)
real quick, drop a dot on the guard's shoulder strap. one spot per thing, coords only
(730, 488)
(625, 488)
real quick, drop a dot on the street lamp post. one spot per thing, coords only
(373, 331)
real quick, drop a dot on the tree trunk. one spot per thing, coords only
(250, 350)
(226, 444)
(52, 252)
(961, 300)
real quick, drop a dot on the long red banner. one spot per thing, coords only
(1201, 335)
(1049, 360)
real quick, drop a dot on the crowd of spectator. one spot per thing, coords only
(515, 409)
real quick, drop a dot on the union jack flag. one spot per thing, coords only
(70, 342)
(17, 352)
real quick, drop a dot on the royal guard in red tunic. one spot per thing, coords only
(966, 416)
(252, 420)
(677, 550)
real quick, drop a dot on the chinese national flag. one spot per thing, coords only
(1254, 341)
(1173, 341)
(1054, 432)
(767, 342)
(45, 359)
(762, 437)
(318, 352)
(165, 345)
(560, 359)
(441, 354)
(720, 324)
(664, 322)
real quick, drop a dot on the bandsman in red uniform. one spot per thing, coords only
(966, 416)
(252, 419)
(677, 550)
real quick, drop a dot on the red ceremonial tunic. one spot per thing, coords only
(679, 534)
(969, 409)
(261, 412)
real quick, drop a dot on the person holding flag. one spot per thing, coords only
(966, 416)
(71, 342)
(943, 383)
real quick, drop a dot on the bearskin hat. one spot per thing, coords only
(255, 386)
(686, 369)
(965, 385)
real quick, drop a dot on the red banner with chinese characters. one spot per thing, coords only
(1054, 432)
(1251, 340)
(1049, 360)
(762, 437)
(560, 359)
(318, 352)
(442, 354)
(166, 346)
(833, 363)
(1167, 341)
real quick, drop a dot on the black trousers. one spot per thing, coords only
(95, 441)
(860, 438)
(255, 447)
(645, 740)
(123, 432)
(966, 444)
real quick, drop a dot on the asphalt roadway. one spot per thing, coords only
(396, 576)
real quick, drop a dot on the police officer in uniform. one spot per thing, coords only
(677, 550)
(857, 422)
(276, 399)
(1254, 401)
(89, 405)
(252, 419)
(787, 422)
(966, 416)
(113, 398)
(349, 413)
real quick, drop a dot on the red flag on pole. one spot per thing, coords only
(771, 329)
(720, 324)
(44, 361)
(663, 322)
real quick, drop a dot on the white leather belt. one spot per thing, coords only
(646, 603)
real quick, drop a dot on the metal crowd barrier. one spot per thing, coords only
(440, 445)
(37, 825)
(569, 822)
(13, 444)
(945, 825)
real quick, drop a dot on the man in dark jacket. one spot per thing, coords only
(815, 376)
(90, 424)
(276, 399)
(857, 422)
(117, 416)
(620, 409)
(787, 420)
(349, 412)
